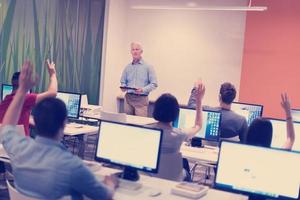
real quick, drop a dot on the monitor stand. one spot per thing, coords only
(129, 173)
(197, 142)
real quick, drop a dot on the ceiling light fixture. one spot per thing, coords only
(203, 8)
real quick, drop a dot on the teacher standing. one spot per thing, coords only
(140, 76)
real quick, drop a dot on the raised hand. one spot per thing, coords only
(51, 67)
(200, 90)
(26, 80)
(285, 104)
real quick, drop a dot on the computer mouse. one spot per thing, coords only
(154, 193)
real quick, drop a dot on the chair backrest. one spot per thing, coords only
(15, 195)
(117, 117)
(170, 167)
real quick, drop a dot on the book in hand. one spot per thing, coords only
(128, 88)
(189, 190)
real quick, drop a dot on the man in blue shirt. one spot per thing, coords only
(43, 168)
(142, 79)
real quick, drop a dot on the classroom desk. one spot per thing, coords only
(164, 186)
(131, 119)
(203, 155)
(150, 183)
(74, 129)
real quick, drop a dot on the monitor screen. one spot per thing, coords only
(258, 170)
(210, 125)
(129, 145)
(5, 90)
(280, 131)
(72, 101)
(296, 115)
(249, 111)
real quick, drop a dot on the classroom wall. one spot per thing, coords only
(271, 56)
(181, 45)
(113, 54)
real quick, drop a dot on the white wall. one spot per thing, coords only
(181, 45)
(113, 56)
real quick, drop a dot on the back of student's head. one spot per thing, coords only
(166, 108)
(15, 80)
(49, 116)
(260, 132)
(227, 93)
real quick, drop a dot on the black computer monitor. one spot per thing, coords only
(280, 134)
(210, 126)
(7, 89)
(249, 111)
(258, 171)
(296, 115)
(72, 101)
(132, 146)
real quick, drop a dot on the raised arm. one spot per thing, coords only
(26, 82)
(192, 99)
(199, 93)
(285, 103)
(52, 88)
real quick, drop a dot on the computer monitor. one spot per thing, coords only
(258, 171)
(296, 115)
(249, 111)
(6, 89)
(72, 101)
(133, 146)
(280, 133)
(210, 126)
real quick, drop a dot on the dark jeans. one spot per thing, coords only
(186, 167)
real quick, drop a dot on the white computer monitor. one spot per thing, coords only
(210, 125)
(249, 111)
(72, 101)
(296, 115)
(280, 134)
(132, 146)
(258, 171)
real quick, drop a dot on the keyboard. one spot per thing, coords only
(91, 122)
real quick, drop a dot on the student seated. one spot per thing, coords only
(260, 131)
(29, 102)
(166, 111)
(233, 126)
(30, 99)
(43, 168)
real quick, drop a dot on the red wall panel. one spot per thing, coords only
(271, 58)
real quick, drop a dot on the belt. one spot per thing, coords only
(142, 95)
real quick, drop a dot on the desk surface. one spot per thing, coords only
(73, 129)
(208, 155)
(164, 186)
(131, 119)
(152, 183)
